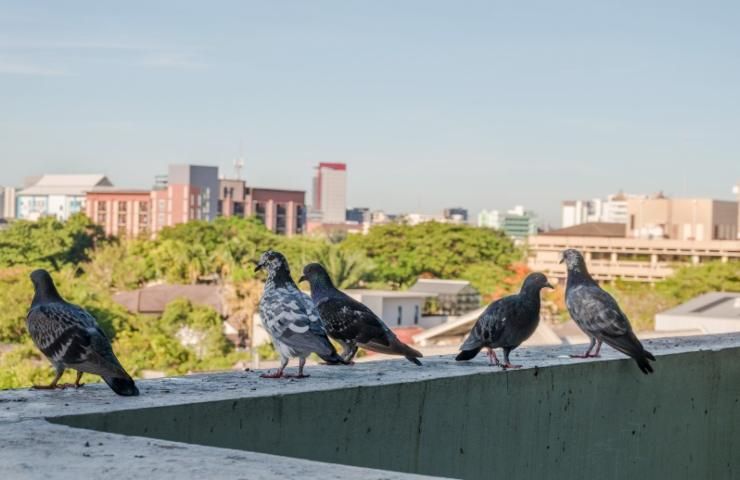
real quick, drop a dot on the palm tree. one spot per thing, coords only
(346, 267)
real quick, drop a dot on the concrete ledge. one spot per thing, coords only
(555, 418)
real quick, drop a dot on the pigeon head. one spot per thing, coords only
(44, 287)
(536, 281)
(316, 275)
(274, 263)
(573, 260)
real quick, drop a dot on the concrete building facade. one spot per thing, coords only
(282, 211)
(611, 210)
(121, 212)
(190, 192)
(612, 256)
(682, 218)
(330, 192)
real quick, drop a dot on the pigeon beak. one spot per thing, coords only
(562, 258)
(549, 285)
(302, 279)
(259, 267)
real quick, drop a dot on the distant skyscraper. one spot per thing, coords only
(330, 192)
(489, 219)
(456, 214)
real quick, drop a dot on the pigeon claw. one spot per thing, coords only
(277, 374)
(509, 365)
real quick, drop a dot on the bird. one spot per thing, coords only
(506, 323)
(71, 338)
(351, 323)
(291, 318)
(598, 314)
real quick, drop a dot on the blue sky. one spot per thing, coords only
(431, 103)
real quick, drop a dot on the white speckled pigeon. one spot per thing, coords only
(71, 338)
(350, 322)
(506, 323)
(290, 318)
(598, 315)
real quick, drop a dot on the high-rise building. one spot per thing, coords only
(456, 215)
(489, 219)
(698, 219)
(597, 210)
(358, 215)
(121, 212)
(189, 192)
(330, 192)
(519, 223)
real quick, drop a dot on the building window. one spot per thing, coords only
(122, 210)
(260, 212)
(300, 218)
(280, 221)
(400, 315)
(143, 216)
(102, 214)
(416, 314)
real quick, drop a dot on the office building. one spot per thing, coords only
(330, 192)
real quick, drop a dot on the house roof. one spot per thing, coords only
(65, 184)
(440, 286)
(154, 299)
(595, 229)
(725, 305)
(387, 293)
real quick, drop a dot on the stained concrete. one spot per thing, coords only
(555, 418)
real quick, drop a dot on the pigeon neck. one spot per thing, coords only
(46, 293)
(280, 278)
(532, 292)
(578, 274)
(322, 288)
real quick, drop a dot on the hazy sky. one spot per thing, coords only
(430, 103)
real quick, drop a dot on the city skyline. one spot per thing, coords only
(480, 105)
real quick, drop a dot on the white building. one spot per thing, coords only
(330, 192)
(56, 195)
(489, 219)
(7, 202)
(397, 308)
(596, 210)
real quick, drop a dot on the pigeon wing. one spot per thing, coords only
(69, 335)
(490, 325)
(349, 320)
(295, 323)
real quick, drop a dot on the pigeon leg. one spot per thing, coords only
(598, 349)
(349, 351)
(588, 352)
(279, 372)
(507, 363)
(301, 364)
(492, 358)
(77, 381)
(53, 384)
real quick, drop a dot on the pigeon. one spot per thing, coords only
(506, 323)
(71, 338)
(291, 318)
(350, 322)
(598, 315)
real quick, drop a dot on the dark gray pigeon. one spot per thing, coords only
(71, 338)
(350, 322)
(506, 323)
(291, 318)
(598, 315)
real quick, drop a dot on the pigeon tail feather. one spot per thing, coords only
(468, 354)
(122, 386)
(643, 363)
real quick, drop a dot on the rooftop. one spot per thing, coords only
(154, 299)
(65, 184)
(556, 417)
(711, 305)
(436, 285)
(595, 229)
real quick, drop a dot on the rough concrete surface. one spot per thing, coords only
(554, 418)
